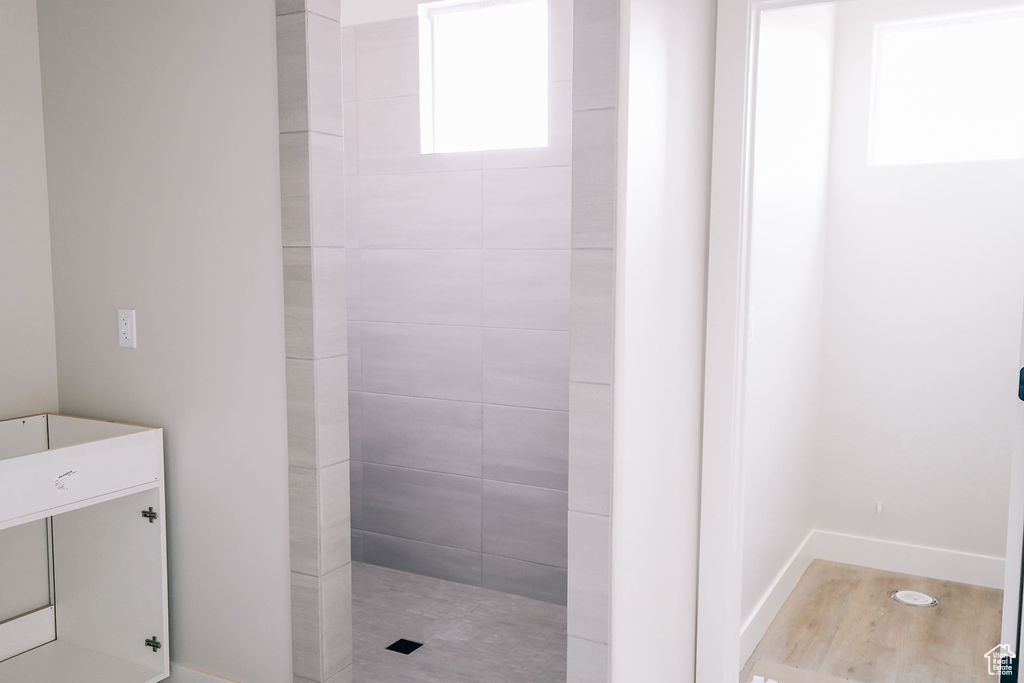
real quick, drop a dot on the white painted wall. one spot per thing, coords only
(665, 157)
(922, 327)
(28, 371)
(162, 150)
(787, 258)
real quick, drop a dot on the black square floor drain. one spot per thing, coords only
(404, 646)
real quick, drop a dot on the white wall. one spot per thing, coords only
(791, 151)
(922, 327)
(28, 371)
(665, 150)
(162, 149)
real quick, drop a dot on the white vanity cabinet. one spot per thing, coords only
(94, 491)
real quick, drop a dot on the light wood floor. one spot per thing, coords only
(840, 623)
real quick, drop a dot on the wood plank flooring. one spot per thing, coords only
(840, 622)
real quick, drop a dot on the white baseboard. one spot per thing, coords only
(873, 553)
(184, 674)
(756, 624)
(907, 558)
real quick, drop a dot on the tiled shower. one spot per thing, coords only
(458, 332)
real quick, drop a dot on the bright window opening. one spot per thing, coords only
(483, 75)
(949, 90)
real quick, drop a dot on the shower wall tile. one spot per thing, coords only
(430, 361)
(298, 302)
(301, 418)
(329, 300)
(324, 59)
(595, 54)
(560, 41)
(389, 140)
(292, 88)
(593, 315)
(530, 580)
(307, 634)
(327, 200)
(348, 68)
(336, 620)
(387, 58)
(420, 210)
(353, 282)
(335, 517)
(443, 509)
(525, 523)
(528, 368)
(527, 208)
(526, 289)
(295, 190)
(304, 523)
(327, 8)
(442, 562)
(459, 310)
(422, 433)
(355, 356)
(526, 446)
(589, 576)
(587, 661)
(357, 543)
(422, 285)
(594, 179)
(590, 448)
(331, 392)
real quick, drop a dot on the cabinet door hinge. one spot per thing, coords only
(154, 643)
(149, 514)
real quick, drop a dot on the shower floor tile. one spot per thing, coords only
(839, 623)
(468, 633)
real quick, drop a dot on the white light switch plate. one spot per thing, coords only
(126, 328)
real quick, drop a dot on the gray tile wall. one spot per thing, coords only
(316, 338)
(459, 313)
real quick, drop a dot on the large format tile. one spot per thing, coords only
(301, 399)
(590, 447)
(420, 210)
(423, 433)
(355, 355)
(595, 54)
(336, 608)
(425, 559)
(389, 140)
(387, 58)
(525, 523)
(331, 377)
(594, 178)
(348, 67)
(329, 302)
(560, 40)
(432, 361)
(589, 576)
(593, 315)
(298, 302)
(530, 580)
(295, 189)
(422, 506)
(304, 520)
(440, 286)
(335, 517)
(327, 203)
(307, 632)
(587, 661)
(292, 90)
(324, 56)
(526, 289)
(356, 496)
(527, 208)
(526, 446)
(528, 368)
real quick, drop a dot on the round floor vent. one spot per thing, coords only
(913, 598)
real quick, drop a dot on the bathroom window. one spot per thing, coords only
(949, 90)
(483, 75)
